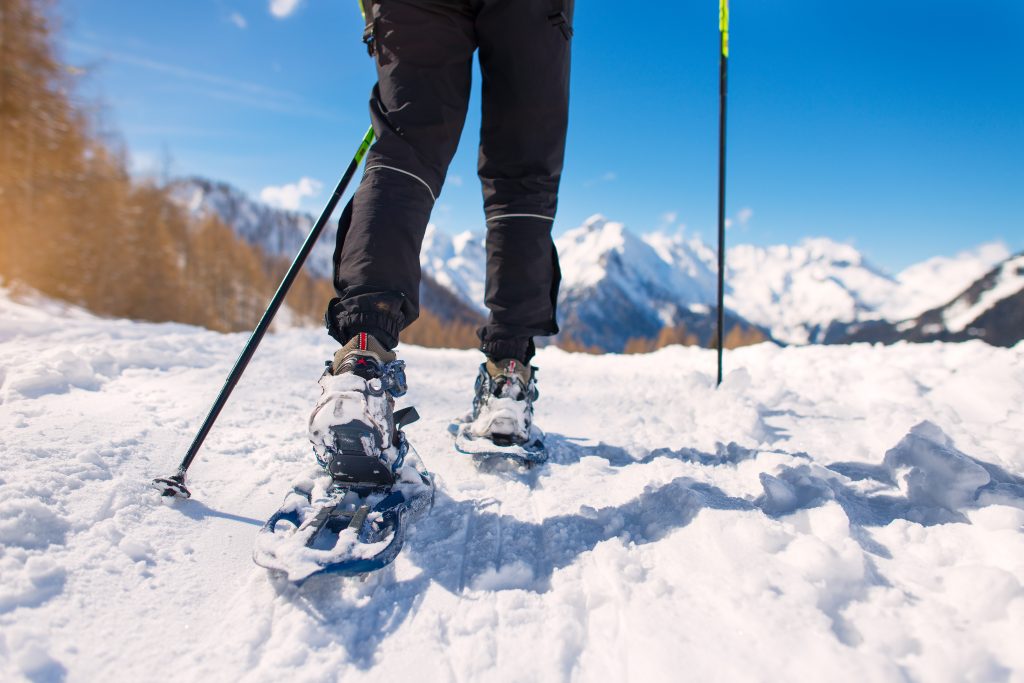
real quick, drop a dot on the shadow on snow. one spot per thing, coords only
(469, 545)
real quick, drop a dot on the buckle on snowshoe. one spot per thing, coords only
(393, 378)
(355, 457)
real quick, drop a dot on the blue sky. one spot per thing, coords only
(895, 126)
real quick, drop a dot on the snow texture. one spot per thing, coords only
(830, 513)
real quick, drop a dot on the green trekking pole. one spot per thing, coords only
(723, 66)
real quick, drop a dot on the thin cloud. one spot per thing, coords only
(252, 95)
(181, 72)
(164, 130)
(238, 20)
(669, 221)
(290, 196)
(294, 108)
(144, 162)
(284, 8)
(742, 219)
(606, 177)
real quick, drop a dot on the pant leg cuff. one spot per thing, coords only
(343, 325)
(522, 349)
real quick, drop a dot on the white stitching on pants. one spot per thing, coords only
(519, 215)
(392, 168)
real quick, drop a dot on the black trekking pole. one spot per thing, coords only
(175, 484)
(723, 65)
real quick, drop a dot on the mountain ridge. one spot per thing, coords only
(618, 285)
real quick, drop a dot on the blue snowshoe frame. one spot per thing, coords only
(397, 511)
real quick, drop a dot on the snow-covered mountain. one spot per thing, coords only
(276, 231)
(994, 304)
(936, 281)
(648, 269)
(617, 285)
(796, 291)
(991, 308)
(456, 263)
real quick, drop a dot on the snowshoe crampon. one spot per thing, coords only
(528, 453)
(326, 527)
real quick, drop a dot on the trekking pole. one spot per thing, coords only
(723, 65)
(175, 484)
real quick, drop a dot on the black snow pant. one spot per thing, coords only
(424, 51)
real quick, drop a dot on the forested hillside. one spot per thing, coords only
(75, 224)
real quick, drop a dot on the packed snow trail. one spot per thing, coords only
(839, 513)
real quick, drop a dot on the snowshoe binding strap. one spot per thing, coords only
(355, 457)
(406, 416)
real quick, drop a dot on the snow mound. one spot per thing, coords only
(932, 472)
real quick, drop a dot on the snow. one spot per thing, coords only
(652, 269)
(1008, 281)
(459, 264)
(830, 513)
(794, 290)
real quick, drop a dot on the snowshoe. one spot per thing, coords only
(328, 527)
(501, 422)
(353, 518)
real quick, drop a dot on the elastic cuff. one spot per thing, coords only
(521, 349)
(343, 325)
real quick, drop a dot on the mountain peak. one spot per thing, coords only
(595, 223)
(825, 249)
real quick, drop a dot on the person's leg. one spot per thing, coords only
(424, 52)
(524, 61)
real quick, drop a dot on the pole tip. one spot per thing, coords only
(172, 486)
